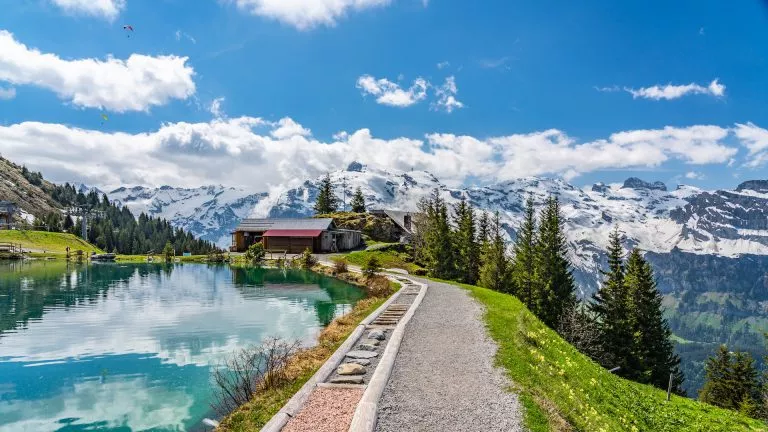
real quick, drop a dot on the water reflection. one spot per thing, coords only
(128, 347)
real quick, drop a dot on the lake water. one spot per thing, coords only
(125, 347)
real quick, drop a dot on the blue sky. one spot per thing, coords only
(520, 69)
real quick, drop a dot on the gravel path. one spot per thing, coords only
(326, 410)
(444, 379)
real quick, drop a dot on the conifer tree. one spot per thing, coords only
(556, 292)
(654, 357)
(467, 260)
(731, 382)
(327, 202)
(524, 261)
(358, 201)
(438, 251)
(610, 306)
(483, 229)
(494, 272)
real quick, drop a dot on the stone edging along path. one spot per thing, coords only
(364, 419)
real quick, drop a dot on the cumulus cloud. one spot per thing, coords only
(670, 91)
(390, 93)
(755, 139)
(446, 96)
(107, 9)
(7, 93)
(135, 84)
(306, 14)
(693, 175)
(443, 65)
(259, 154)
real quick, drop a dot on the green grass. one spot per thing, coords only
(387, 259)
(551, 372)
(50, 242)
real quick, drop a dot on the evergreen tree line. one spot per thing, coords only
(115, 229)
(622, 326)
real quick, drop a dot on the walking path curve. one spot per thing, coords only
(444, 379)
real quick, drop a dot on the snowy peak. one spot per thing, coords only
(760, 186)
(636, 183)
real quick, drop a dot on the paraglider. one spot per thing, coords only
(128, 29)
(104, 118)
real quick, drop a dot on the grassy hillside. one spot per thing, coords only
(50, 242)
(387, 259)
(576, 391)
(32, 198)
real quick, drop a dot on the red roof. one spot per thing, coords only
(292, 233)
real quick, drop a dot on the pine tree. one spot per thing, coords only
(556, 292)
(358, 201)
(610, 306)
(654, 357)
(524, 261)
(731, 382)
(465, 244)
(483, 230)
(327, 202)
(437, 239)
(494, 272)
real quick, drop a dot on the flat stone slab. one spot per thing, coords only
(362, 354)
(347, 380)
(361, 362)
(374, 342)
(376, 334)
(350, 369)
(366, 347)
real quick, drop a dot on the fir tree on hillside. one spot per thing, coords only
(358, 201)
(465, 244)
(654, 352)
(524, 261)
(610, 306)
(438, 250)
(731, 382)
(556, 292)
(483, 229)
(327, 202)
(494, 272)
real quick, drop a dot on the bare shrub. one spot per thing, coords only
(339, 265)
(580, 329)
(248, 371)
(378, 286)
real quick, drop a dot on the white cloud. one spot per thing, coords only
(260, 154)
(446, 96)
(494, 63)
(180, 34)
(693, 175)
(755, 139)
(7, 93)
(135, 84)
(670, 91)
(215, 108)
(107, 9)
(390, 93)
(306, 14)
(443, 65)
(610, 89)
(287, 128)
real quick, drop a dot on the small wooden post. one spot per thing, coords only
(669, 387)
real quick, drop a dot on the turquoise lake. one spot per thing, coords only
(130, 347)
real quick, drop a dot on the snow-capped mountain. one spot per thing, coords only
(209, 212)
(724, 223)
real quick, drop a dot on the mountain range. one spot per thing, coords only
(709, 248)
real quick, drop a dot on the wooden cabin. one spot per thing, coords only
(403, 221)
(294, 235)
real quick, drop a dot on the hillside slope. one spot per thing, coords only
(51, 242)
(33, 199)
(573, 388)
